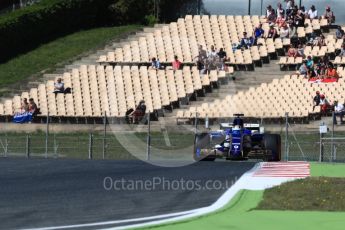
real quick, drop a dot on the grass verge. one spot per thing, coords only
(327, 170)
(240, 215)
(312, 194)
(57, 53)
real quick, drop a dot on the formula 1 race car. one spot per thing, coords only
(237, 141)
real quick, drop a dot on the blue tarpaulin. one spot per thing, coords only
(22, 117)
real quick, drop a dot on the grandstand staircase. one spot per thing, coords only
(243, 80)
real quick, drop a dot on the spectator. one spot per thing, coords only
(329, 15)
(310, 62)
(321, 41)
(289, 5)
(246, 42)
(331, 72)
(284, 32)
(202, 54)
(280, 11)
(155, 64)
(303, 70)
(324, 104)
(176, 64)
(292, 51)
(339, 110)
(25, 105)
(258, 33)
(223, 57)
(312, 13)
(212, 58)
(342, 51)
(272, 33)
(311, 74)
(316, 100)
(339, 33)
(137, 115)
(272, 18)
(281, 21)
(59, 86)
(269, 11)
(212, 54)
(299, 19)
(32, 106)
(300, 51)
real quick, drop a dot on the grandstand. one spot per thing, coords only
(119, 79)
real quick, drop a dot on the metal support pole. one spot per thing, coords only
(27, 149)
(6, 146)
(47, 136)
(249, 6)
(332, 142)
(321, 148)
(196, 122)
(56, 155)
(148, 148)
(104, 134)
(287, 136)
(90, 146)
(300, 3)
(262, 3)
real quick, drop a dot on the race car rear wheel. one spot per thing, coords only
(202, 141)
(272, 142)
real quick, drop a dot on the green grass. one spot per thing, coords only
(328, 170)
(57, 53)
(312, 194)
(240, 215)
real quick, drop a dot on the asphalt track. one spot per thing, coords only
(46, 193)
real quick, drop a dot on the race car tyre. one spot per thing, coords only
(202, 141)
(273, 142)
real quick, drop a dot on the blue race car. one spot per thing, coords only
(237, 141)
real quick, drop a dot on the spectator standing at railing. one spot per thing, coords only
(299, 19)
(269, 11)
(329, 15)
(312, 13)
(339, 110)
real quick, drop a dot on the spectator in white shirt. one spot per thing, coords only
(284, 32)
(312, 13)
(339, 110)
(59, 86)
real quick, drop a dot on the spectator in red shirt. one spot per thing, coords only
(176, 64)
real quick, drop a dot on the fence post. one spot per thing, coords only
(148, 143)
(27, 150)
(6, 146)
(90, 146)
(196, 122)
(287, 136)
(332, 142)
(104, 134)
(47, 136)
(321, 147)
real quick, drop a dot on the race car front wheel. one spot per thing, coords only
(202, 143)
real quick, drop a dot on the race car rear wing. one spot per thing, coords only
(253, 127)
